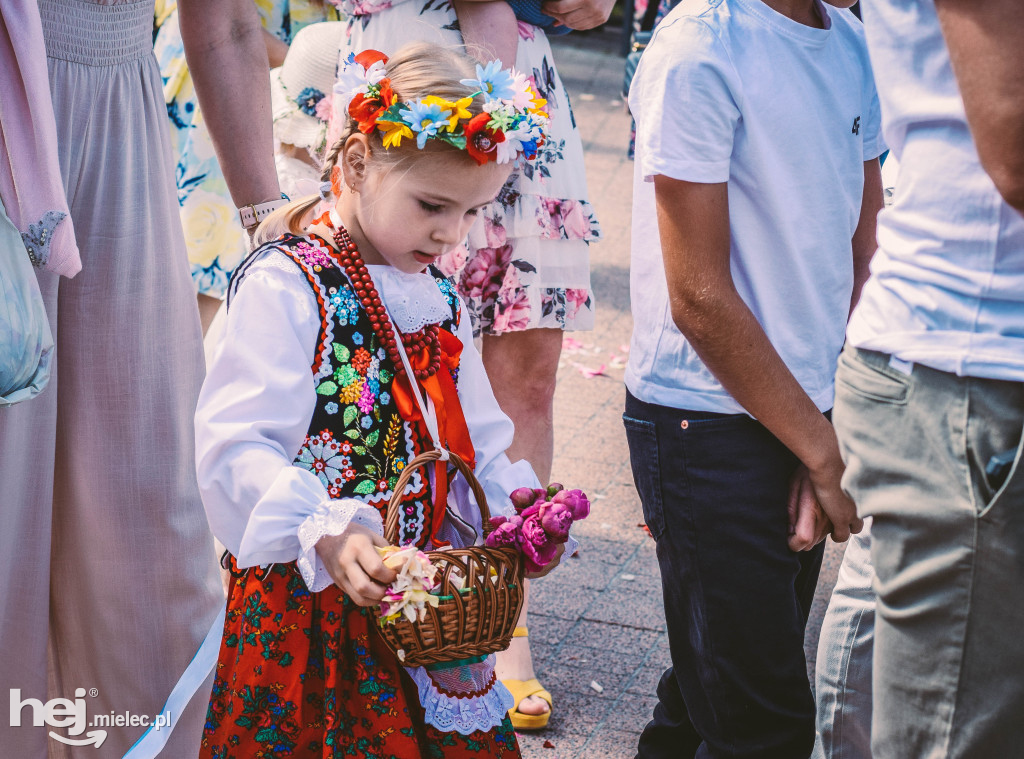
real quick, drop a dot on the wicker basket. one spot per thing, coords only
(476, 620)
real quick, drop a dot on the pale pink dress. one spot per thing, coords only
(109, 577)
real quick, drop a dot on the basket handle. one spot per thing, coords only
(394, 507)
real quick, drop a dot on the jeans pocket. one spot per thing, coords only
(867, 380)
(642, 438)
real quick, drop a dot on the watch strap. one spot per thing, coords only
(254, 213)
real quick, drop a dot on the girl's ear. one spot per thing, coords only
(354, 160)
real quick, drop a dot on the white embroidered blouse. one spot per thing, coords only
(257, 402)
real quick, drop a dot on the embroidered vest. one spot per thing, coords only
(357, 443)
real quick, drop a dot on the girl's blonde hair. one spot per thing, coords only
(416, 71)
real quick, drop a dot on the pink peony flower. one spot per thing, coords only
(522, 498)
(538, 557)
(556, 518)
(533, 530)
(576, 500)
(507, 533)
(531, 510)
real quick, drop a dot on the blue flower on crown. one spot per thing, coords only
(494, 81)
(308, 99)
(425, 120)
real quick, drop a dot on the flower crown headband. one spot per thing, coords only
(512, 123)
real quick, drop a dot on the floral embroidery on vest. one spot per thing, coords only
(357, 444)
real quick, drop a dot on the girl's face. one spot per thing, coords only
(411, 214)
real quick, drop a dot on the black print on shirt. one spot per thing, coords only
(856, 125)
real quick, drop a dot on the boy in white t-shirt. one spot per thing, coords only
(755, 197)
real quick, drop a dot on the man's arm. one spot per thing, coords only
(986, 46)
(693, 220)
(227, 56)
(864, 237)
(579, 14)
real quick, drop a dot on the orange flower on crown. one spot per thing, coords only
(366, 109)
(482, 142)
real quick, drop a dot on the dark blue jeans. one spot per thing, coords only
(714, 489)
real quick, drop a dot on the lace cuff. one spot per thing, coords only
(331, 518)
(482, 709)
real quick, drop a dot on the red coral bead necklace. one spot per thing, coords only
(427, 338)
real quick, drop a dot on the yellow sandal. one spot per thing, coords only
(521, 689)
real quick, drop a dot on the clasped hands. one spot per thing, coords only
(817, 506)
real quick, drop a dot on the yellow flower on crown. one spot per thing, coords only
(458, 109)
(537, 102)
(394, 131)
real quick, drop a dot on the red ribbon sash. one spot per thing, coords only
(451, 422)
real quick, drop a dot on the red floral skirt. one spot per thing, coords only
(305, 674)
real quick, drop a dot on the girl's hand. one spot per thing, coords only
(549, 566)
(354, 565)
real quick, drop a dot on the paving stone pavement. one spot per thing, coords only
(598, 620)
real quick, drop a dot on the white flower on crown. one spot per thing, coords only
(354, 80)
(523, 97)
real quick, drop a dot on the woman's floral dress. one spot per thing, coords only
(215, 239)
(527, 262)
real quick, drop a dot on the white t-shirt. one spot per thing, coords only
(947, 284)
(732, 91)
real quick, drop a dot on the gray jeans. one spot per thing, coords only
(842, 672)
(948, 553)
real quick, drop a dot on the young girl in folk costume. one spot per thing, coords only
(307, 418)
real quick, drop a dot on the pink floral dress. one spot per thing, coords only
(526, 263)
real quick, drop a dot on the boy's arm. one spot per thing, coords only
(489, 30)
(986, 47)
(864, 238)
(227, 58)
(693, 220)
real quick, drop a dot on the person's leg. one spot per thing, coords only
(845, 649)
(521, 367)
(948, 553)
(714, 490)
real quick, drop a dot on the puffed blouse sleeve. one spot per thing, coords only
(252, 419)
(491, 432)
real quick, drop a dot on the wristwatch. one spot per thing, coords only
(254, 213)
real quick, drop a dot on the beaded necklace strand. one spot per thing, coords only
(366, 291)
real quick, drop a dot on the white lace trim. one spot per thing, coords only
(331, 518)
(412, 300)
(462, 715)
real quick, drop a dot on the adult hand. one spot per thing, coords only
(579, 14)
(808, 524)
(354, 564)
(559, 551)
(840, 510)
